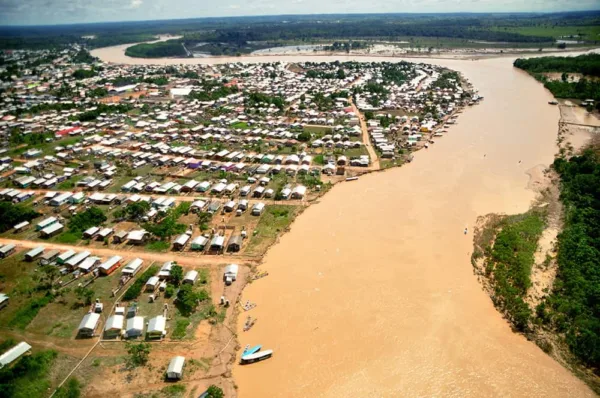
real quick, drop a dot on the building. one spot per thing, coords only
(52, 230)
(88, 325)
(157, 327)
(7, 250)
(133, 267)
(14, 353)
(107, 267)
(4, 299)
(114, 326)
(33, 253)
(234, 244)
(135, 327)
(175, 369)
(199, 243)
(190, 277)
(230, 273)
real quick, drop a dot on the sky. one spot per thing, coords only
(50, 12)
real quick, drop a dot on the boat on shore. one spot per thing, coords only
(553, 102)
(256, 357)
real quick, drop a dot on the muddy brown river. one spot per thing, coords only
(372, 293)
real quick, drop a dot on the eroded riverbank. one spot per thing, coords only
(372, 292)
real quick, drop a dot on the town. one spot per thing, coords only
(138, 200)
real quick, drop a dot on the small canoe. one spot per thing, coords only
(251, 350)
(259, 356)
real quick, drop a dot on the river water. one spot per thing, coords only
(372, 293)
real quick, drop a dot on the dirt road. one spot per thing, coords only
(181, 258)
(366, 140)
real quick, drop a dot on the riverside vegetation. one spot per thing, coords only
(588, 65)
(569, 315)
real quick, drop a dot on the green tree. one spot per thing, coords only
(84, 294)
(304, 136)
(137, 210)
(138, 354)
(187, 299)
(72, 389)
(176, 275)
(214, 392)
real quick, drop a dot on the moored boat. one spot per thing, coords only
(258, 356)
(251, 350)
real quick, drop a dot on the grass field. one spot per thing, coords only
(274, 221)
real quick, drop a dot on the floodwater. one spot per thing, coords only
(372, 293)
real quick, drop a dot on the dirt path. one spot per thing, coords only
(181, 258)
(366, 140)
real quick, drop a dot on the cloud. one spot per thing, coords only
(136, 3)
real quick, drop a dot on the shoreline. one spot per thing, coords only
(283, 244)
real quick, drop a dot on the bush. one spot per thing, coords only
(15, 214)
(72, 389)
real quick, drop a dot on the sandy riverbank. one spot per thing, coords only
(372, 292)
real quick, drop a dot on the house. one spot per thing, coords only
(120, 236)
(46, 223)
(107, 267)
(88, 325)
(199, 243)
(88, 264)
(217, 243)
(33, 253)
(52, 230)
(133, 267)
(21, 226)
(76, 259)
(91, 232)
(175, 369)
(258, 209)
(137, 237)
(181, 241)
(230, 273)
(234, 244)
(298, 192)
(157, 327)
(14, 353)
(7, 250)
(190, 277)
(152, 283)
(48, 257)
(165, 270)
(114, 326)
(135, 327)
(60, 200)
(3, 300)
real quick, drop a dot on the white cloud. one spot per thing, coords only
(136, 3)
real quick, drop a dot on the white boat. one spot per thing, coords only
(259, 356)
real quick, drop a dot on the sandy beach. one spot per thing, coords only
(372, 293)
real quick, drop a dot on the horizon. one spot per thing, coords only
(16, 13)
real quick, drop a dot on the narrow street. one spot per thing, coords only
(366, 140)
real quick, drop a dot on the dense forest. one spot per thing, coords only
(239, 32)
(573, 308)
(587, 64)
(169, 48)
(584, 88)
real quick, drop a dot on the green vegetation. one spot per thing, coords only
(26, 313)
(572, 308)
(14, 214)
(214, 392)
(84, 74)
(169, 226)
(169, 48)
(510, 262)
(181, 326)
(274, 220)
(136, 288)
(139, 354)
(91, 217)
(158, 246)
(173, 391)
(28, 377)
(211, 90)
(188, 299)
(256, 99)
(72, 389)
(587, 64)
